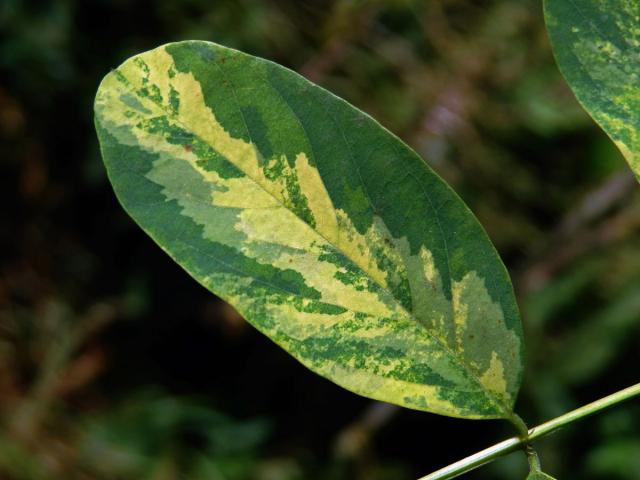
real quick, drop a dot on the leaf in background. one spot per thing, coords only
(596, 44)
(323, 229)
(606, 335)
(617, 459)
(152, 431)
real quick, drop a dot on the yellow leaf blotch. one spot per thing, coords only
(468, 324)
(334, 225)
(302, 250)
(241, 193)
(373, 386)
(320, 204)
(493, 379)
(364, 249)
(198, 118)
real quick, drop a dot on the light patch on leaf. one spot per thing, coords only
(467, 324)
(479, 322)
(494, 377)
(413, 394)
(300, 248)
(318, 199)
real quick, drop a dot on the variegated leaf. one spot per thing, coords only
(597, 46)
(320, 227)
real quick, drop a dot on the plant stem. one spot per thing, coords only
(519, 425)
(512, 444)
(534, 461)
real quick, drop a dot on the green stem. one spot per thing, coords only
(512, 444)
(519, 424)
(533, 459)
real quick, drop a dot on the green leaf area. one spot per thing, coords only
(320, 227)
(597, 47)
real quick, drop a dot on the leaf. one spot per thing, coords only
(320, 227)
(596, 44)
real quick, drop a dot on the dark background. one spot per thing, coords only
(115, 364)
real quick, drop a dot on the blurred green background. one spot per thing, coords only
(114, 364)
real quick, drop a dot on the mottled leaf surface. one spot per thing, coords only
(320, 227)
(597, 46)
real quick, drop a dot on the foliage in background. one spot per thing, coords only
(596, 44)
(471, 85)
